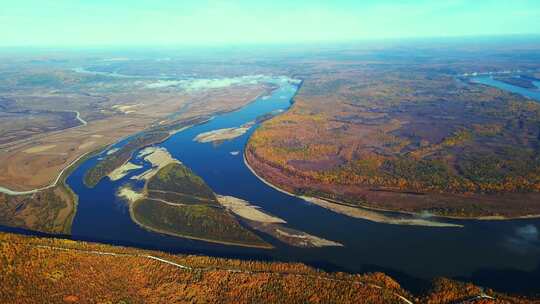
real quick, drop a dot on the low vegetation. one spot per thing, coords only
(179, 179)
(178, 202)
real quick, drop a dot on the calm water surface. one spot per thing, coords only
(533, 94)
(498, 254)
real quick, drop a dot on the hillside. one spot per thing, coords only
(43, 270)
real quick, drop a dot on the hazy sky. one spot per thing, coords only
(160, 22)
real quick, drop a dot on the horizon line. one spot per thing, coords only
(271, 43)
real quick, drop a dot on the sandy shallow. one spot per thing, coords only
(158, 157)
(172, 132)
(244, 209)
(373, 215)
(271, 225)
(223, 134)
(307, 240)
(123, 170)
(112, 151)
(129, 194)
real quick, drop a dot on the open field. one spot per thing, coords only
(51, 210)
(22, 171)
(65, 271)
(158, 157)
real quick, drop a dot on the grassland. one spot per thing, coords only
(44, 270)
(179, 203)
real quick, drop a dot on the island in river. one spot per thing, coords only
(179, 203)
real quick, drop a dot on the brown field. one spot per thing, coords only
(22, 171)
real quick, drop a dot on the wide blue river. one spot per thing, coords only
(500, 254)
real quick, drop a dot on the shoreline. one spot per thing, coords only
(478, 218)
(380, 211)
(74, 196)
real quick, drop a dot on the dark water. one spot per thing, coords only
(499, 254)
(532, 94)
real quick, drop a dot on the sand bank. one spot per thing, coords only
(158, 157)
(272, 225)
(122, 171)
(223, 134)
(244, 209)
(129, 194)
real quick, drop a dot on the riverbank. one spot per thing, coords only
(356, 212)
(378, 214)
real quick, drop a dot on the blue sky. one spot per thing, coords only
(204, 22)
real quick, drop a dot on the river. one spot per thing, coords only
(533, 94)
(504, 255)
